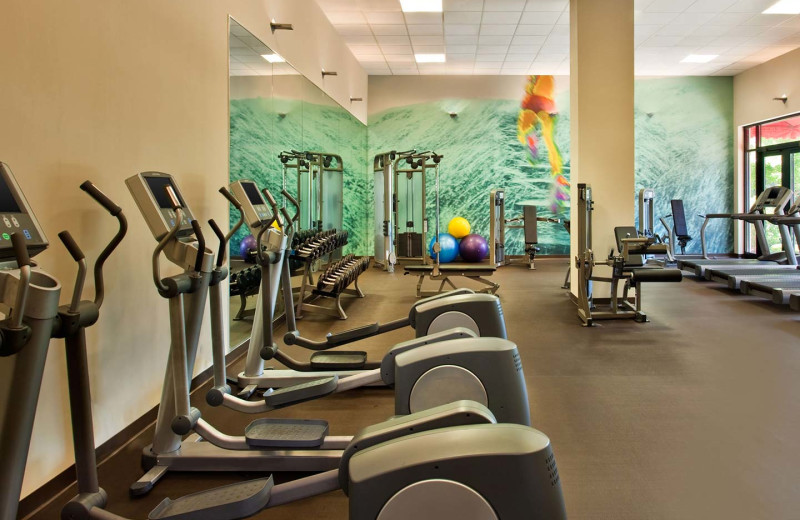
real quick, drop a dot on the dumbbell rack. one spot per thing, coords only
(245, 283)
(334, 281)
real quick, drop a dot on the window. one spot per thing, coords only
(771, 158)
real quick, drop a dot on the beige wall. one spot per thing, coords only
(102, 90)
(753, 91)
(601, 121)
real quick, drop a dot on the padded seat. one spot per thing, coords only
(656, 275)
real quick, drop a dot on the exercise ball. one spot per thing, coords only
(449, 248)
(458, 227)
(248, 244)
(473, 248)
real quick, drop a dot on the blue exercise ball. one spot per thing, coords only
(247, 244)
(448, 245)
(474, 248)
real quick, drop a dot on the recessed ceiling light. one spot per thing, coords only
(429, 58)
(421, 6)
(784, 7)
(699, 58)
(273, 58)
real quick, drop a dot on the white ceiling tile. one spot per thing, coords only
(528, 40)
(675, 30)
(560, 30)
(494, 40)
(492, 49)
(710, 6)
(750, 6)
(563, 19)
(425, 30)
(400, 59)
(546, 5)
(429, 49)
(544, 68)
(726, 41)
(488, 64)
(503, 5)
(423, 18)
(641, 5)
(729, 18)
(643, 18)
(462, 5)
(461, 49)
(346, 17)
(747, 31)
(389, 30)
(501, 17)
(487, 72)
(695, 19)
(461, 39)
(491, 58)
(371, 58)
(427, 40)
(513, 71)
(390, 50)
(523, 49)
(662, 41)
(521, 57)
(461, 29)
(380, 5)
(711, 30)
(539, 18)
(533, 30)
(364, 49)
(496, 30)
(385, 18)
(462, 17)
(550, 58)
(555, 39)
(516, 64)
(645, 30)
(354, 30)
(393, 40)
(460, 58)
(555, 49)
(359, 40)
(668, 6)
(768, 20)
(792, 22)
(696, 41)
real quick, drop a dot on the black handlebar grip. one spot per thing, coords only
(71, 246)
(269, 197)
(286, 216)
(101, 198)
(20, 249)
(228, 195)
(222, 241)
(173, 197)
(291, 199)
(201, 245)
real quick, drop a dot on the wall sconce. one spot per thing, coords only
(453, 115)
(281, 115)
(783, 98)
(329, 73)
(356, 99)
(274, 26)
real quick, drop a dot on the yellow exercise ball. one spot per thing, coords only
(458, 227)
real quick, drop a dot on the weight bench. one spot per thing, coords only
(476, 272)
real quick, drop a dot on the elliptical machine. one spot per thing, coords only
(479, 313)
(282, 444)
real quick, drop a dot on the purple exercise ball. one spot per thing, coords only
(248, 244)
(473, 248)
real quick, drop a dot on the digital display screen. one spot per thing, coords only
(251, 190)
(158, 187)
(8, 204)
(774, 192)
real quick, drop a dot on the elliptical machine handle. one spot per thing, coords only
(223, 241)
(201, 245)
(24, 263)
(294, 202)
(231, 198)
(273, 205)
(116, 211)
(80, 258)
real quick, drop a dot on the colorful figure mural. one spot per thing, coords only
(538, 108)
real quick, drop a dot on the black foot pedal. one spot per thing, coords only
(229, 502)
(338, 360)
(300, 393)
(286, 433)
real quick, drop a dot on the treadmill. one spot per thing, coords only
(734, 276)
(773, 201)
(779, 288)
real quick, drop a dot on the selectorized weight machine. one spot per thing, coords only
(319, 187)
